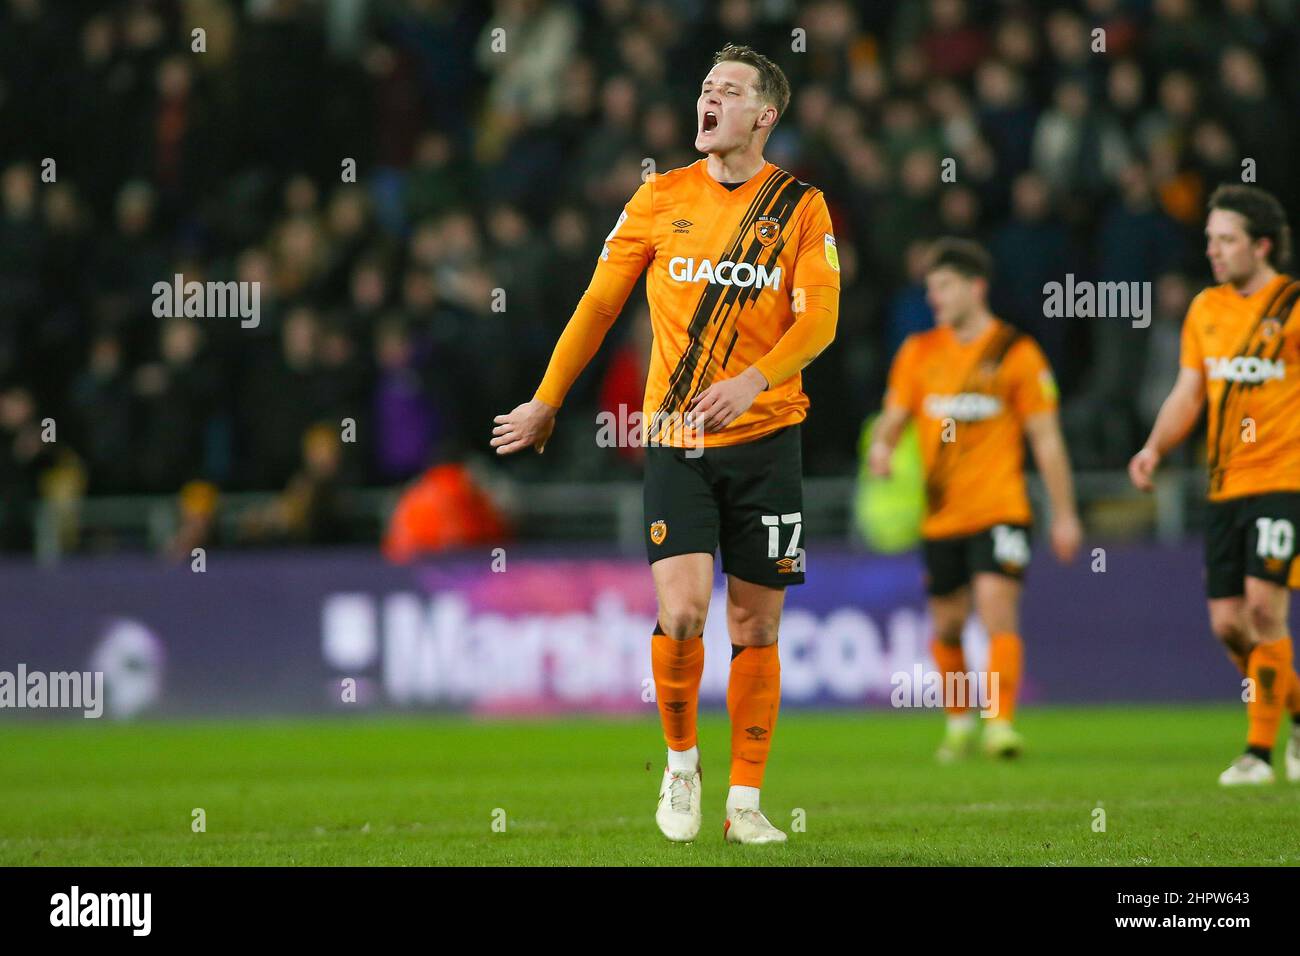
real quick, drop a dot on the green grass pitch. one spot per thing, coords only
(424, 791)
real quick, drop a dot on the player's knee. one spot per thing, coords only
(683, 620)
(998, 614)
(1001, 624)
(1264, 617)
(1230, 631)
(754, 630)
(752, 624)
(1231, 636)
(948, 630)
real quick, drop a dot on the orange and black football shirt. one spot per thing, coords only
(1248, 349)
(970, 401)
(730, 273)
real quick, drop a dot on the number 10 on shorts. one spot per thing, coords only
(774, 523)
(1276, 538)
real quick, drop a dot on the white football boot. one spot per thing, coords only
(1293, 755)
(958, 739)
(750, 826)
(1246, 770)
(1002, 740)
(679, 814)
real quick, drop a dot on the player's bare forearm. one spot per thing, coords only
(884, 437)
(889, 426)
(1177, 417)
(1178, 413)
(1048, 447)
(1053, 461)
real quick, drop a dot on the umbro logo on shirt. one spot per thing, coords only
(683, 225)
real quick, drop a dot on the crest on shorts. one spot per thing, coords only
(767, 229)
(658, 531)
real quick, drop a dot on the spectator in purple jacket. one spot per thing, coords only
(406, 422)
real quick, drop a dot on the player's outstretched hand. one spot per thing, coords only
(1066, 535)
(723, 402)
(528, 426)
(879, 458)
(1142, 467)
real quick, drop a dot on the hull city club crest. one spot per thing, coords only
(767, 229)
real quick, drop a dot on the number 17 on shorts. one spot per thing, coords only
(791, 558)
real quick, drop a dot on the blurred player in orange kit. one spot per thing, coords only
(1240, 356)
(977, 387)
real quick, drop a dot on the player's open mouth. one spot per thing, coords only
(709, 122)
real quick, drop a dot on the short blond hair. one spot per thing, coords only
(772, 84)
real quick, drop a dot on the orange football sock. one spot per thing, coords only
(950, 659)
(753, 700)
(678, 666)
(1006, 659)
(1292, 698)
(1270, 669)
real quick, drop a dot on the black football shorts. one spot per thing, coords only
(1253, 535)
(745, 499)
(951, 562)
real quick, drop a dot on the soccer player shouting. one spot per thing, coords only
(976, 387)
(743, 287)
(1241, 351)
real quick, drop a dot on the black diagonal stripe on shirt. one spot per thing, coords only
(945, 459)
(1249, 348)
(679, 382)
(782, 206)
